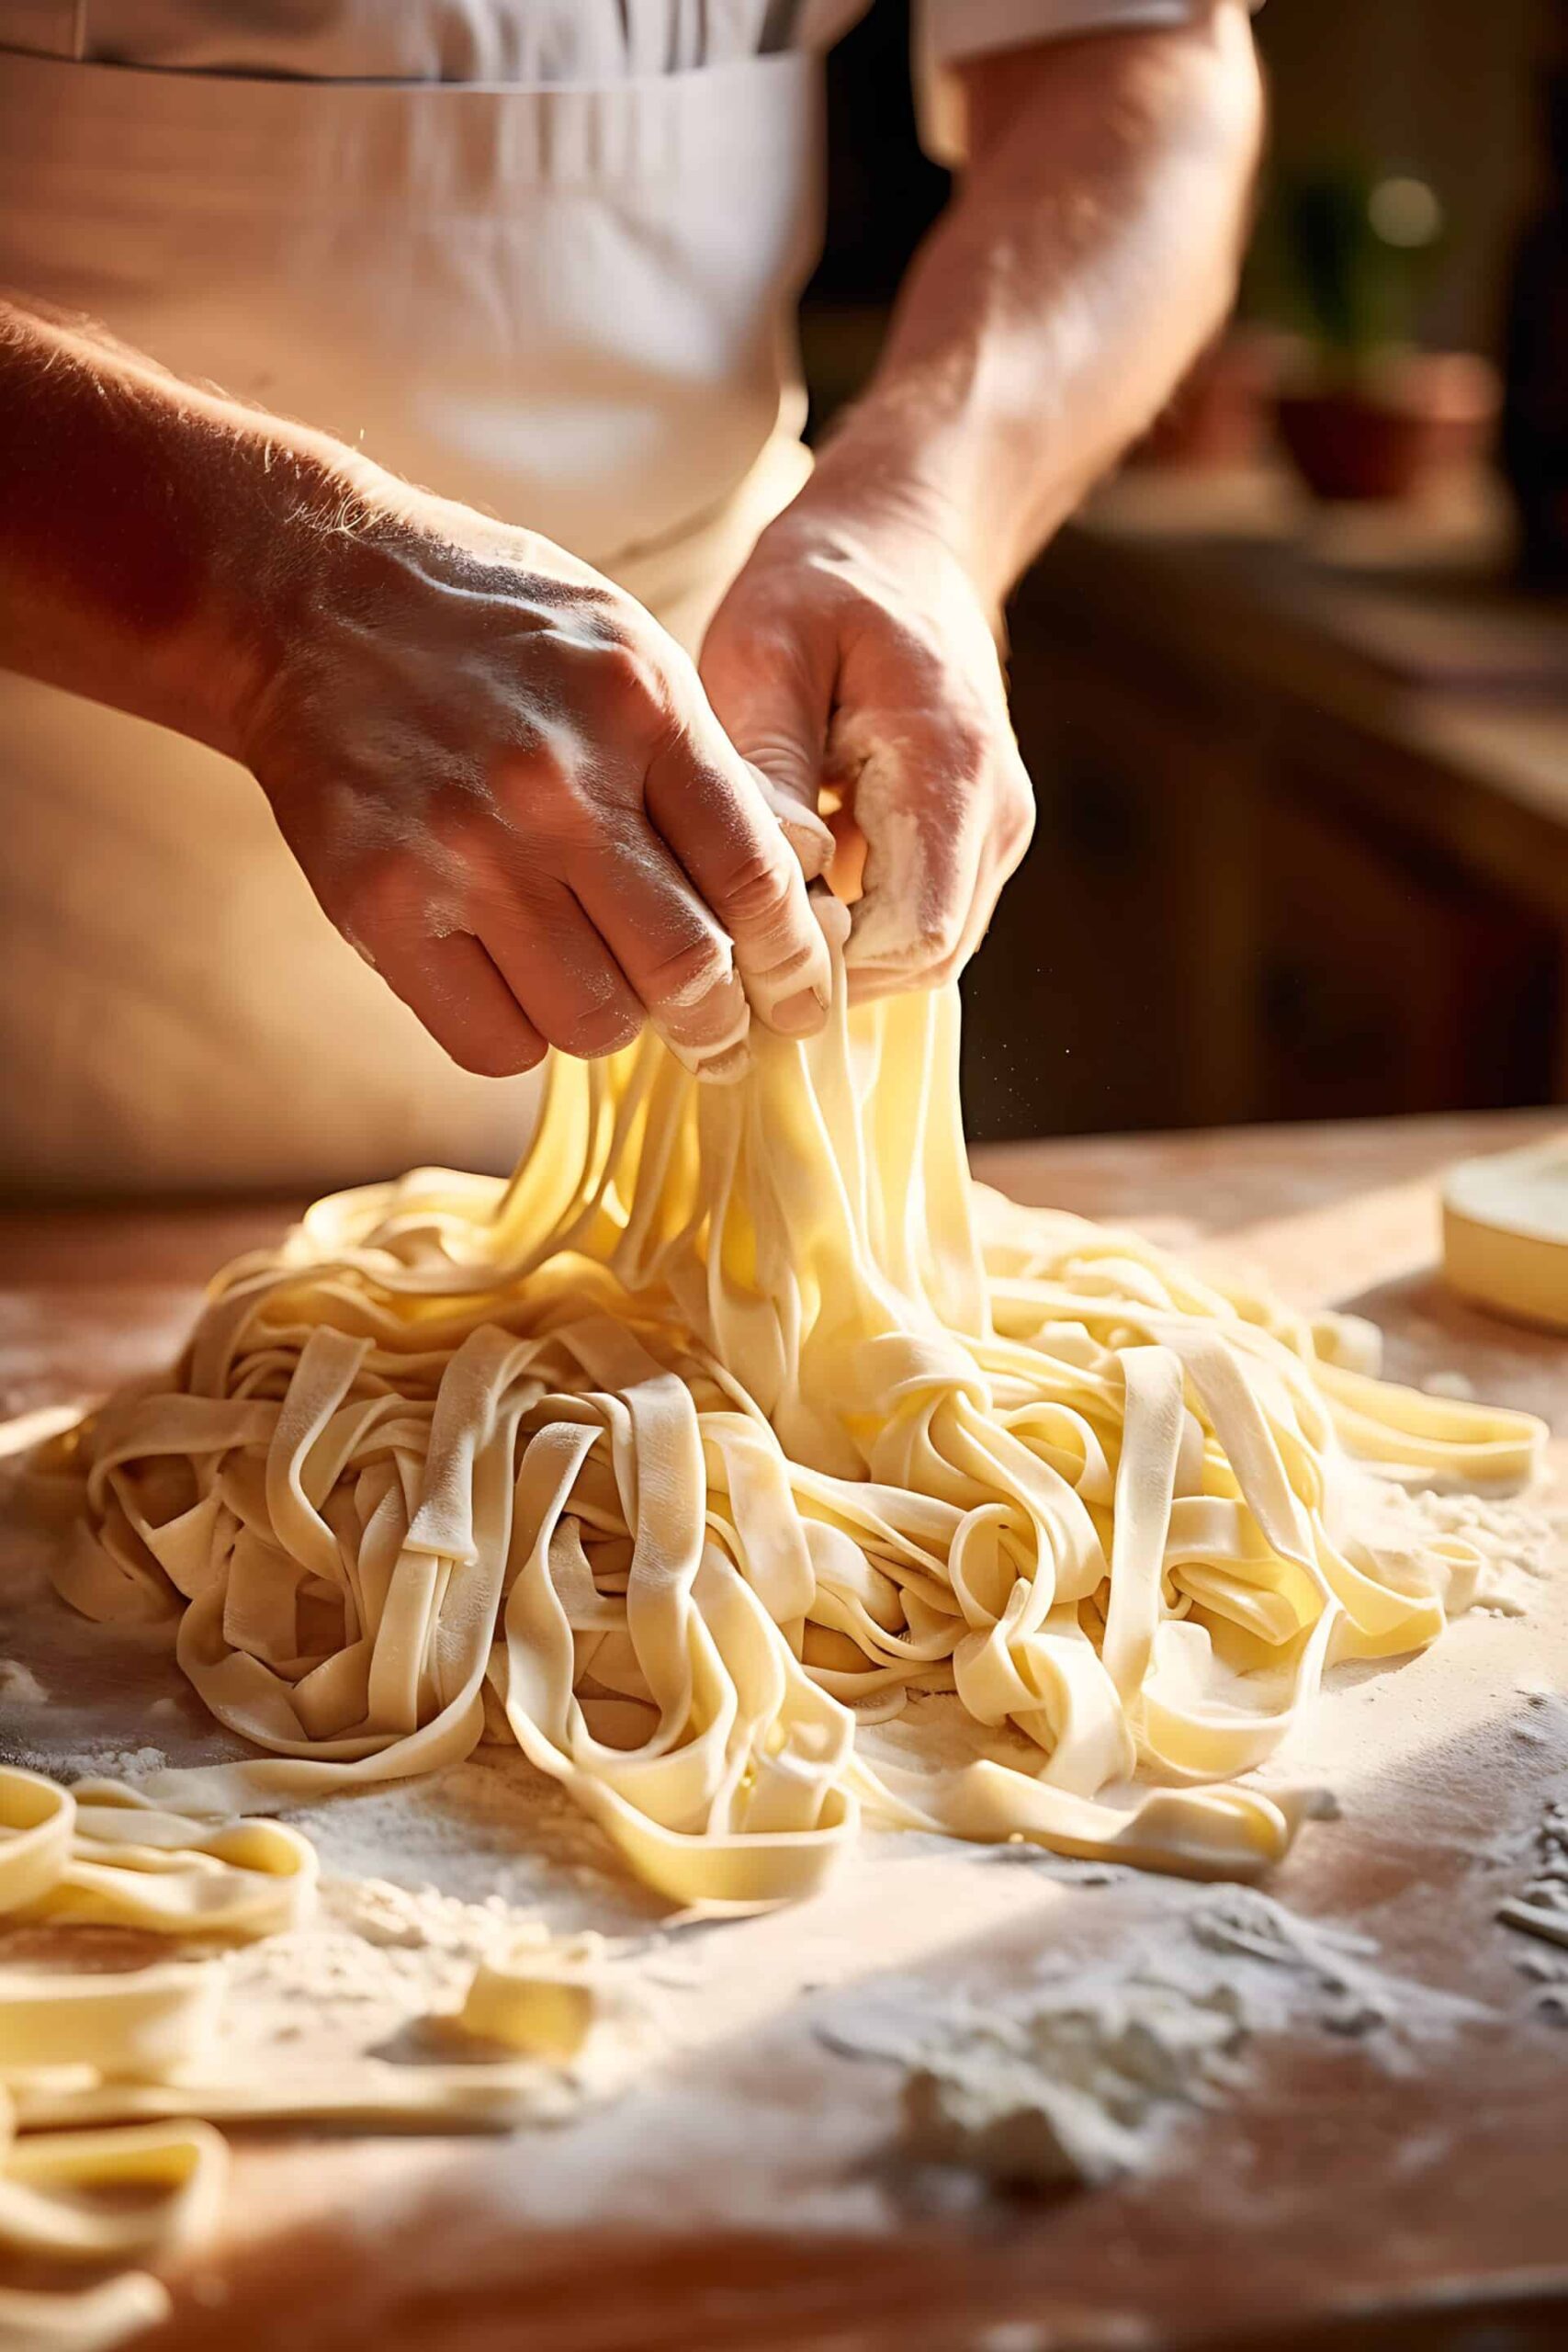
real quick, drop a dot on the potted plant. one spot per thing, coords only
(1219, 416)
(1364, 413)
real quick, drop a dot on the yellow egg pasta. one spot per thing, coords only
(738, 1415)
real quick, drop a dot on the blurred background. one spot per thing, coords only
(1293, 689)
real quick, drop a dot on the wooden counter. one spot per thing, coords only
(740, 2197)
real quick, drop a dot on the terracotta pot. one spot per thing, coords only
(1219, 414)
(1393, 431)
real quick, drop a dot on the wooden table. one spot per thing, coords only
(740, 2195)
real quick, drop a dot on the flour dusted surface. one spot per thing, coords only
(1081, 2075)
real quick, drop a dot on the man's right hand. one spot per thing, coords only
(500, 774)
(507, 790)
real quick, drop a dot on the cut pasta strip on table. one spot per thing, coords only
(737, 1415)
(101, 1852)
(44, 2207)
(114, 2196)
(111, 2080)
(94, 2321)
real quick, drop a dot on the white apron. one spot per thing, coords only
(572, 307)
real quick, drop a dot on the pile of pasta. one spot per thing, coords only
(735, 1418)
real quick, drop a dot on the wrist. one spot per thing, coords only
(157, 542)
(875, 468)
(912, 477)
(295, 502)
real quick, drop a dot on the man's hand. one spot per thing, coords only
(501, 778)
(853, 652)
(506, 787)
(1090, 251)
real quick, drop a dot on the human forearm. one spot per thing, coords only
(148, 529)
(1090, 252)
(499, 773)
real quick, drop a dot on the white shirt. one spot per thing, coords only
(540, 42)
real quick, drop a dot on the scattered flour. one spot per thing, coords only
(1516, 1544)
(1081, 2077)
(372, 1964)
(383, 1972)
(419, 1919)
(107, 1764)
(491, 1831)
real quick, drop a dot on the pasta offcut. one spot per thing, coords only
(736, 1418)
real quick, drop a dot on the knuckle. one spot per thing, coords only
(596, 608)
(687, 971)
(755, 894)
(627, 669)
(379, 889)
(967, 743)
(633, 679)
(937, 943)
(531, 769)
(459, 819)
(940, 946)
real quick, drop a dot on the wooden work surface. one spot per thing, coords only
(741, 2196)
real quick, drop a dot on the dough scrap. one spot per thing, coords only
(541, 1996)
(740, 1410)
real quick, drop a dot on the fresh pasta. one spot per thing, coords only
(736, 1418)
(118, 2194)
(111, 2081)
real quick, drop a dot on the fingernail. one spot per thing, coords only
(722, 1069)
(800, 1016)
(813, 846)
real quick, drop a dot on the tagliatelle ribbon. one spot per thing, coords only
(736, 1417)
(105, 1852)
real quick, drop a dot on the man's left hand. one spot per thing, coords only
(853, 653)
